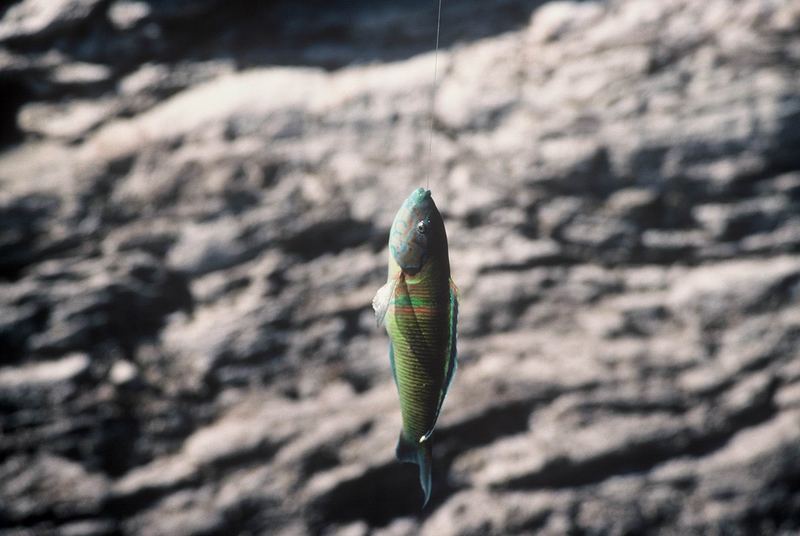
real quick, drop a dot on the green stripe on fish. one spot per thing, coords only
(419, 307)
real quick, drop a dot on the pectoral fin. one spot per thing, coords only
(382, 299)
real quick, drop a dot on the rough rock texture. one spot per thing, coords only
(190, 237)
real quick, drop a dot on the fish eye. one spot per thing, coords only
(422, 227)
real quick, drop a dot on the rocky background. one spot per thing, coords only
(195, 198)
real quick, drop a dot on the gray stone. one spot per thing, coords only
(34, 18)
(63, 121)
(125, 15)
(42, 375)
(46, 485)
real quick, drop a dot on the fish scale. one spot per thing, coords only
(418, 346)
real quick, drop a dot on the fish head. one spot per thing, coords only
(417, 232)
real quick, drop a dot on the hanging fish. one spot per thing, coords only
(419, 307)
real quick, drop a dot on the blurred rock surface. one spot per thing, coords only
(193, 224)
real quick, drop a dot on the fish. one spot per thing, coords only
(418, 306)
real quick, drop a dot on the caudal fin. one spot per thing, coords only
(420, 454)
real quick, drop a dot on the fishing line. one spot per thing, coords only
(433, 97)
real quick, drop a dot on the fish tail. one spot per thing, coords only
(420, 454)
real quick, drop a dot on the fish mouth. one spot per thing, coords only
(420, 194)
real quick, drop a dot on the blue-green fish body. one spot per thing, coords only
(419, 307)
